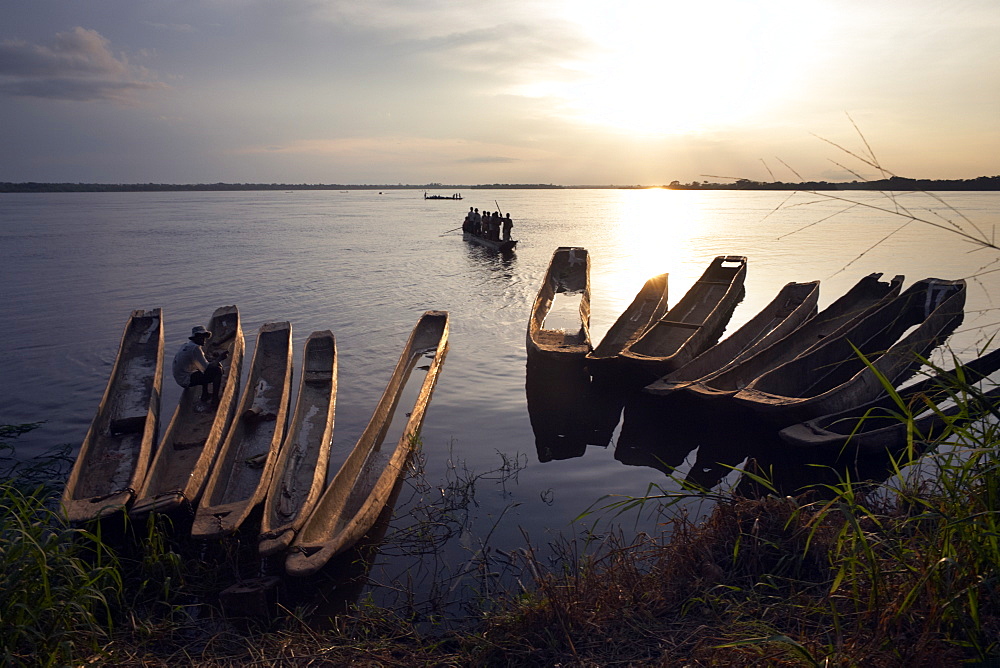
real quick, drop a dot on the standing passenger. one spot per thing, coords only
(507, 225)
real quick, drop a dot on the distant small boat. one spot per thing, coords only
(568, 274)
(300, 472)
(115, 453)
(188, 449)
(243, 470)
(832, 376)
(795, 304)
(498, 246)
(359, 491)
(879, 425)
(693, 324)
(648, 306)
(866, 295)
(456, 196)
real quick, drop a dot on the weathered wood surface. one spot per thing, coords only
(115, 453)
(242, 472)
(191, 442)
(568, 273)
(300, 472)
(359, 491)
(648, 306)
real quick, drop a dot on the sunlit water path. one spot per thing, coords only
(366, 265)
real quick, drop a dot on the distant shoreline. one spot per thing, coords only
(895, 183)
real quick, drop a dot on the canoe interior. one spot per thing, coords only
(648, 306)
(192, 439)
(867, 294)
(243, 470)
(300, 471)
(361, 488)
(568, 274)
(115, 453)
(698, 318)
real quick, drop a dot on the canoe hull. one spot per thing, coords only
(498, 246)
(649, 305)
(568, 273)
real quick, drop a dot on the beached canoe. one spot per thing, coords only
(833, 376)
(885, 424)
(568, 275)
(191, 442)
(115, 453)
(300, 472)
(243, 469)
(866, 295)
(648, 307)
(361, 488)
(795, 304)
(692, 325)
(498, 246)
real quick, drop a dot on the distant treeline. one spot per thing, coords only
(896, 183)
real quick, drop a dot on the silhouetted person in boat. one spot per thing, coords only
(192, 368)
(477, 223)
(469, 218)
(507, 225)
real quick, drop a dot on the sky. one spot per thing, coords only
(623, 92)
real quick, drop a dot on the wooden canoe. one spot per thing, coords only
(795, 304)
(360, 489)
(882, 424)
(692, 325)
(498, 246)
(300, 472)
(648, 307)
(243, 469)
(833, 376)
(115, 453)
(188, 448)
(866, 295)
(568, 274)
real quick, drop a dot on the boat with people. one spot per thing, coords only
(239, 480)
(835, 320)
(115, 453)
(916, 413)
(567, 276)
(300, 472)
(848, 370)
(692, 325)
(794, 304)
(363, 485)
(648, 306)
(455, 196)
(191, 442)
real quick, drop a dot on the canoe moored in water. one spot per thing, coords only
(243, 470)
(498, 246)
(191, 442)
(882, 424)
(114, 456)
(568, 274)
(795, 304)
(864, 297)
(833, 376)
(300, 472)
(692, 325)
(360, 489)
(648, 306)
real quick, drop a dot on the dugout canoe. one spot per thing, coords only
(834, 376)
(852, 307)
(922, 409)
(498, 246)
(300, 472)
(794, 305)
(568, 274)
(191, 442)
(649, 305)
(692, 325)
(114, 456)
(360, 489)
(242, 472)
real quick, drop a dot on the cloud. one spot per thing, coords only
(79, 66)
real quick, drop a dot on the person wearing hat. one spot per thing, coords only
(192, 368)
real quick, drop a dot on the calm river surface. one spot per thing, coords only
(366, 264)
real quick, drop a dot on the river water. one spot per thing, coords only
(365, 264)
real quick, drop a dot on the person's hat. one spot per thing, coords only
(199, 330)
